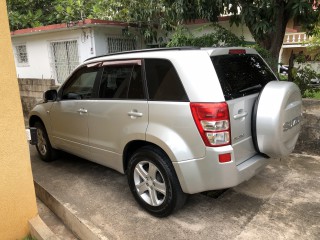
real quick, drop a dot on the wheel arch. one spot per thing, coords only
(133, 146)
(33, 119)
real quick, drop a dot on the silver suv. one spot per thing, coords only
(176, 121)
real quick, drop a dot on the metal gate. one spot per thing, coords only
(65, 58)
(119, 44)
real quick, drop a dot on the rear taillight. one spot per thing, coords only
(212, 120)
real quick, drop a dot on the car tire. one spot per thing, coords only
(44, 148)
(154, 183)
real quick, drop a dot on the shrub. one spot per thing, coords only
(219, 37)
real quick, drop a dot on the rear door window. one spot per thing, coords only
(122, 82)
(241, 75)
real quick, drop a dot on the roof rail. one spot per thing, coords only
(145, 50)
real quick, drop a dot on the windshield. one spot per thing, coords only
(241, 75)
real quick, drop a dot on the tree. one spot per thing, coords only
(148, 16)
(219, 37)
(24, 14)
(34, 13)
(266, 19)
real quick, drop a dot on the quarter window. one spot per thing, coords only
(163, 81)
(80, 85)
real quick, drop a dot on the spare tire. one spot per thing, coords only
(277, 116)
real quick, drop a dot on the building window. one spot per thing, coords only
(120, 44)
(22, 55)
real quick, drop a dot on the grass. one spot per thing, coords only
(317, 95)
(29, 237)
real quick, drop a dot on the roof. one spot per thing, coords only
(67, 26)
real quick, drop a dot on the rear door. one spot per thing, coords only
(119, 114)
(242, 77)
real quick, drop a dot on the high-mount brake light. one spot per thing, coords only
(212, 120)
(237, 51)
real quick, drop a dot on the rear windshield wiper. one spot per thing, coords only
(251, 88)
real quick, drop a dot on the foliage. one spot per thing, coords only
(316, 94)
(266, 55)
(283, 77)
(219, 37)
(148, 16)
(29, 237)
(34, 13)
(266, 19)
(302, 76)
(314, 43)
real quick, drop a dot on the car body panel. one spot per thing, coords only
(240, 111)
(111, 127)
(70, 126)
(172, 128)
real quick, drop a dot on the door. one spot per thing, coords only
(65, 58)
(120, 115)
(69, 115)
(242, 77)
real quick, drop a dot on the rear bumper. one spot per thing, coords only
(207, 173)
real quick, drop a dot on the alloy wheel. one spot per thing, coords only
(149, 183)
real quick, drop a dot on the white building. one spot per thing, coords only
(53, 51)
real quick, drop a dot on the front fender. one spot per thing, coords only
(42, 112)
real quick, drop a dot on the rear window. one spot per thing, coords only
(241, 75)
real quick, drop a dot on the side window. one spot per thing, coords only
(121, 82)
(80, 85)
(163, 81)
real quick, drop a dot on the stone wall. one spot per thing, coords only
(31, 91)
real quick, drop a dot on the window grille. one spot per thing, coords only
(65, 58)
(21, 54)
(120, 44)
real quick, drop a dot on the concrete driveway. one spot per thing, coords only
(282, 202)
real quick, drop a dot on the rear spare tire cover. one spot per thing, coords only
(277, 119)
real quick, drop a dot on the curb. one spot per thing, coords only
(40, 230)
(80, 227)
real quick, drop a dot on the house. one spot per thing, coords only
(53, 51)
(46, 55)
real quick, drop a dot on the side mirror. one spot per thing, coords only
(50, 95)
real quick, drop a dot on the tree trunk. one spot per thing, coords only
(274, 40)
(291, 63)
(280, 30)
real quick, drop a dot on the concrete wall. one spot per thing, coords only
(17, 198)
(31, 91)
(242, 30)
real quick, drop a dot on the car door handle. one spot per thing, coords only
(82, 110)
(240, 115)
(135, 113)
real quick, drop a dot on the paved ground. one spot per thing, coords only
(282, 202)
